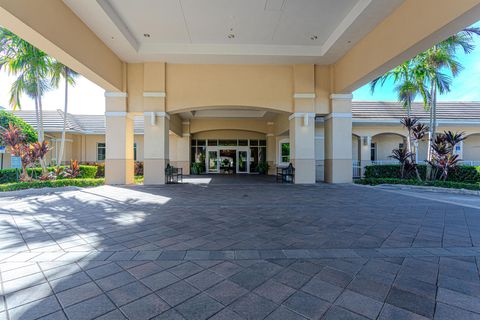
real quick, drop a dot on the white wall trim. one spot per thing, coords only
(114, 94)
(309, 95)
(338, 115)
(341, 96)
(120, 114)
(154, 94)
(160, 114)
(302, 115)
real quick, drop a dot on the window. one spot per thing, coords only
(135, 151)
(400, 145)
(285, 152)
(101, 151)
(373, 151)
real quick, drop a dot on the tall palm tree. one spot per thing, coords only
(59, 72)
(409, 83)
(32, 68)
(436, 61)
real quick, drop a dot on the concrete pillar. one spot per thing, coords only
(365, 151)
(119, 166)
(183, 148)
(302, 146)
(271, 147)
(338, 140)
(156, 147)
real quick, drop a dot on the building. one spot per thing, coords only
(198, 69)
(376, 131)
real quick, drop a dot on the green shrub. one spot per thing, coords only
(51, 184)
(100, 167)
(7, 117)
(88, 172)
(441, 184)
(469, 174)
(12, 175)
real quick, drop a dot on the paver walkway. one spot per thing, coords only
(237, 251)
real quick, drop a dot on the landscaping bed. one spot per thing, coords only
(412, 182)
(89, 182)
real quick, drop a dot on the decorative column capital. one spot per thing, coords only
(154, 94)
(341, 96)
(115, 94)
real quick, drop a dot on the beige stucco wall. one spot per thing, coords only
(385, 143)
(471, 148)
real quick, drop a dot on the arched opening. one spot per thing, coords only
(382, 144)
(231, 139)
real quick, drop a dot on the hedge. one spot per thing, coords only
(51, 184)
(468, 174)
(11, 175)
(437, 183)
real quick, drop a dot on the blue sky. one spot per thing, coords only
(465, 87)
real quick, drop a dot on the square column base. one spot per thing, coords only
(119, 171)
(154, 171)
(304, 171)
(338, 170)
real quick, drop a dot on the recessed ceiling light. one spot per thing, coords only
(313, 37)
(146, 35)
(230, 36)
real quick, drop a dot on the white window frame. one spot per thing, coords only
(280, 142)
(104, 147)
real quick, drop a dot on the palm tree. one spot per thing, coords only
(439, 58)
(409, 82)
(32, 68)
(60, 71)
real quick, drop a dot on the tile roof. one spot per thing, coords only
(390, 110)
(81, 124)
(362, 111)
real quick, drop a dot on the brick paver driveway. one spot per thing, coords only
(237, 252)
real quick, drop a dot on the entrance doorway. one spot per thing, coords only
(229, 160)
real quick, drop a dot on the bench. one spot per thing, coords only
(286, 174)
(173, 174)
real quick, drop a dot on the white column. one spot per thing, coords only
(156, 145)
(302, 146)
(119, 166)
(338, 140)
(365, 151)
(271, 147)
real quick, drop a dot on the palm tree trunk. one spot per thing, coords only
(62, 143)
(40, 126)
(431, 130)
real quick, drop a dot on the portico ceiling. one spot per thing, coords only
(232, 31)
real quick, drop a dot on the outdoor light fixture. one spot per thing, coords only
(305, 119)
(365, 140)
(152, 118)
(146, 35)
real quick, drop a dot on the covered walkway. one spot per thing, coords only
(237, 251)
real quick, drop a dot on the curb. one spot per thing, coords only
(429, 188)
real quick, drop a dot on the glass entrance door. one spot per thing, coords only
(242, 163)
(212, 161)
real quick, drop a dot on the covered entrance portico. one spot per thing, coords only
(162, 68)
